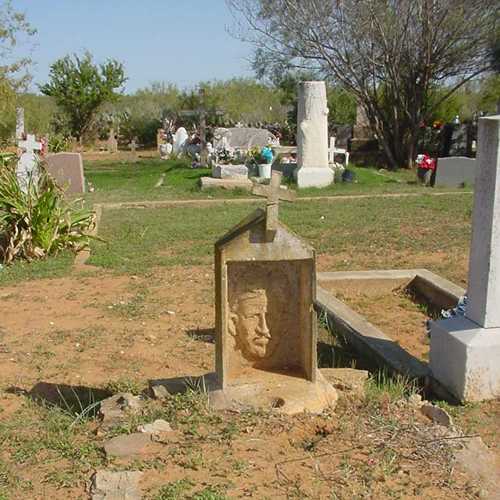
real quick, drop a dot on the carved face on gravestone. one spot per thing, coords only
(248, 325)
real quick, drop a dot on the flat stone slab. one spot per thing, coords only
(115, 409)
(127, 445)
(277, 392)
(210, 183)
(111, 485)
(230, 172)
(157, 427)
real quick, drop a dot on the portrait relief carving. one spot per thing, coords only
(249, 327)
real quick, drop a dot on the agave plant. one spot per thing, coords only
(39, 221)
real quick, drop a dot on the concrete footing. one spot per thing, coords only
(466, 358)
(314, 177)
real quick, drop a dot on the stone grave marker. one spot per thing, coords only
(265, 320)
(67, 171)
(455, 171)
(112, 142)
(465, 350)
(19, 124)
(242, 138)
(27, 166)
(312, 136)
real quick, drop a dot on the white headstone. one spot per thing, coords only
(465, 351)
(312, 136)
(27, 166)
(180, 139)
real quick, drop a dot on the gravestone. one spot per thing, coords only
(465, 350)
(27, 166)
(265, 320)
(67, 170)
(112, 142)
(242, 138)
(230, 171)
(456, 171)
(312, 136)
(19, 124)
(180, 140)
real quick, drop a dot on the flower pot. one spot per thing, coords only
(265, 170)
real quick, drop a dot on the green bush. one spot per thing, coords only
(39, 222)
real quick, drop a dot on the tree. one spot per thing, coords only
(15, 31)
(390, 54)
(80, 88)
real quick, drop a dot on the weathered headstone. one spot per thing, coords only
(112, 142)
(27, 166)
(19, 124)
(230, 171)
(456, 171)
(67, 171)
(465, 350)
(242, 138)
(265, 320)
(312, 136)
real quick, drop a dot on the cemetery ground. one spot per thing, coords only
(141, 309)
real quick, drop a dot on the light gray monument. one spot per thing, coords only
(465, 350)
(19, 124)
(455, 171)
(27, 166)
(312, 136)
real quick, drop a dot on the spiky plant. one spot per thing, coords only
(39, 221)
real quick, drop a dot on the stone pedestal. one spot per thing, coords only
(312, 136)
(465, 352)
(465, 358)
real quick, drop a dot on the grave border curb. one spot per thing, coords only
(373, 343)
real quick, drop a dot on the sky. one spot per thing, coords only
(178, 41)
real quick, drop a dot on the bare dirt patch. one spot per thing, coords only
(106, 332)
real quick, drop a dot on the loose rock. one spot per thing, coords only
(128, 445)
(115, 409)
(437, 414)
(157, 427)
(108, 485)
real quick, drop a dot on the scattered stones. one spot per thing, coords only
(482, 464)
(160, 392)
(157, 427)
(346, 379)
(436, 414)
(127, 445)
(110, 485)
(116, 408)
(415, 400)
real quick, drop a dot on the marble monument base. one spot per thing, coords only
(465, 358)
(314, 177)
(280, 392)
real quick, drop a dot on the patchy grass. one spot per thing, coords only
(51, 267)
(121, 181)
(384, 232)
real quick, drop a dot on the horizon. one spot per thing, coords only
(197, 47)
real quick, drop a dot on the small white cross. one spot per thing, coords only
(30, 145)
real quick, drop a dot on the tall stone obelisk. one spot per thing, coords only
(465, 350)
(312, 136)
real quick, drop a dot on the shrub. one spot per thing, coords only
(39, 222)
